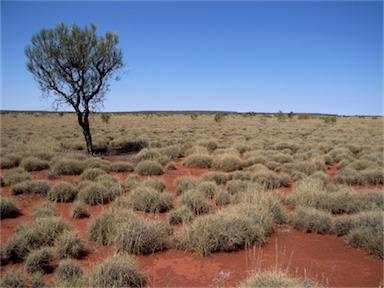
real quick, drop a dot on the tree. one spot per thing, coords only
(75, 66)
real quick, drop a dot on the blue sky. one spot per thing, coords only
(303, 56)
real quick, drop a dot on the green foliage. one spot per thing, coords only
(280, 115)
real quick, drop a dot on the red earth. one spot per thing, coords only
(324, 259)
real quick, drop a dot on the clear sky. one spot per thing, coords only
(301, 56)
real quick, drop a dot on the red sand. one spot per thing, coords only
(324, 259)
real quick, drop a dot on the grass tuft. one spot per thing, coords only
(62, 192)
(198, 161)
(39, 261)
(32, 163)
(30, 187)
(271, 279)
(68, 271)
(149, 168)
(69, 245)
(8, 208)
(116, 271)
(227, 162)
(311, 220)
(12, 278)
(14, 176)
(148, 199)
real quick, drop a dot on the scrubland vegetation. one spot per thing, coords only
(332, 167)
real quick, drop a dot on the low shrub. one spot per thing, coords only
(196, 201)
(198, 161)
(39, 261)
(367, 232)
(148, 199)
(68, 167)
(218, 178)
(128, 232)
(32, 163)
(96, 193)
(231, 229)
(348, 176)
(32, 235)
(271, 279)
(266, 179)
(9, 161)
(68, 271)
(156, 184)
(14, 176)
(222, 198)
(182, 214)
(43, 209)
(149, 168)
(131, 182)
(30, 187)
(79, 210)
(311, 220)
(171, 166)
(236, 186)
(122, 167)
(373, 176)
(185, 183)
(12, 278)
(97, 163)
(62, 192)
(92, 173)
(8, 208)
(116, 271)
(69, 245)
(208, 189)
(227, 162)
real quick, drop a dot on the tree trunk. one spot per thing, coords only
(84, 123)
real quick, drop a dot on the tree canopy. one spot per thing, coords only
(75, 66)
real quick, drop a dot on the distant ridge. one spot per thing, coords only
(202, 112)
